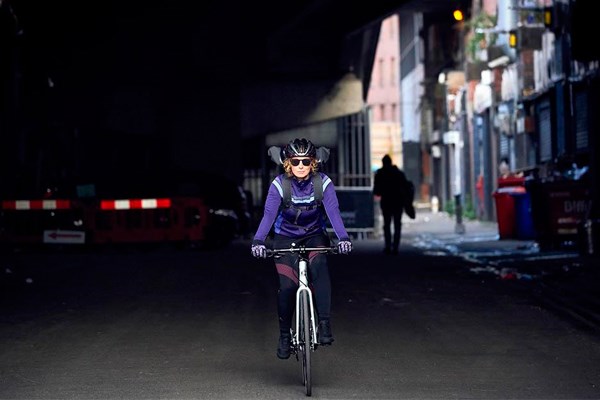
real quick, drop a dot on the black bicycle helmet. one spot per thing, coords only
(300, 148)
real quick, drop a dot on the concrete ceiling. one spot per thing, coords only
(177, 47)
(200, 72)
(315, 59)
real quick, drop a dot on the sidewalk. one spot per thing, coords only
(439, 229)
(480, 243)
(562, 280)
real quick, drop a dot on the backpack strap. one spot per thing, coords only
(286, 185)
(317, 181)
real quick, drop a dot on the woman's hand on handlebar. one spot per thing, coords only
(344, 247)
(259, 250)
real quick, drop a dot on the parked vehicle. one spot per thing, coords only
(104, 221)
(196, 209)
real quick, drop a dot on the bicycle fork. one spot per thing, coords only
(303, 287)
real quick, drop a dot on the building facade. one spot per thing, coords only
(532, 86)
(383, 98)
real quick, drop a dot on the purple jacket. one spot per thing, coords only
(304, 217)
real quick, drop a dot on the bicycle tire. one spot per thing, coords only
(305, 343)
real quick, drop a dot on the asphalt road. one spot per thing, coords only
(164, 323)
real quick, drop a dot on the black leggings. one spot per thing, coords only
(318, 275)
(389, 216)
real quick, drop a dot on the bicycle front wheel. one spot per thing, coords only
(304, 342)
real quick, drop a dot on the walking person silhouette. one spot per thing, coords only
(391, 185)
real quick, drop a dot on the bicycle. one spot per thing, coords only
(304, 333)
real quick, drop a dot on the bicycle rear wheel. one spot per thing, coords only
(304, 342)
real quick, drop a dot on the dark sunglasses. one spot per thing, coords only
(305, 161)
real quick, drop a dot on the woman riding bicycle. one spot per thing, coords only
(301, 221)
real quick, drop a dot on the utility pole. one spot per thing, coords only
(453, 139)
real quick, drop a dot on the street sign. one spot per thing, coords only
(60, 236)
(356, 208)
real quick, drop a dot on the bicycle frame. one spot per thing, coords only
(303, 284)
(303, 347)
(304, 287)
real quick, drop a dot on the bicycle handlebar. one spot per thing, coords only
(302, 250)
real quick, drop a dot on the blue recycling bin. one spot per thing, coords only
(523, 218)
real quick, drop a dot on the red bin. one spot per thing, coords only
(505, 210)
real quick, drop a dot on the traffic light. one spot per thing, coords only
(526, 37)
(555, 17)
(513, 39)
(458, 14)
(548, 17)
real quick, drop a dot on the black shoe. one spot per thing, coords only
(325, 336)
(386, 250)
(284, 346)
